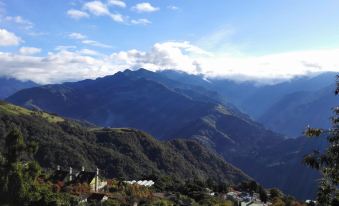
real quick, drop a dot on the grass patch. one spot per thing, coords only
(11, 109)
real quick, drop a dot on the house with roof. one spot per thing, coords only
(93, 179)
(61, 176)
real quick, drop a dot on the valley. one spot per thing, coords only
(167, 108)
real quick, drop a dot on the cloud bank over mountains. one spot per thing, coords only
(71, 64)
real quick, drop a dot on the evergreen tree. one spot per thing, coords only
(328, 161)
(274, 192)
(18, 178)
(12, 187)
(262, 194)
(15, 146)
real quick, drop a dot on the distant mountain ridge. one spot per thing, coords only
(9, 86)
(124, 99)
(293, 112)
(268, 104)
(115, 101)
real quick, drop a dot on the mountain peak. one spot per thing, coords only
(140, 70)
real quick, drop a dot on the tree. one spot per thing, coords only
(277, 201)
(327, 162)
(262, 194)
(252, 186)
(15, 146)
(274, 192)
(13, 187)
(18, 178)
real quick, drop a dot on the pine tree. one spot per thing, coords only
(13, 187)
(18, 177)
(327, 162)
(262, 194)
(15, 146)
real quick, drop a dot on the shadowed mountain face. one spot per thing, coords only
(286, 107)
(129, 100)
(117, 101)
(176, 105)
(293, 112)
(126, 153)
(10, 86)
(259, 98)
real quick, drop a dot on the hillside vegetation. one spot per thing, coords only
(119, 153)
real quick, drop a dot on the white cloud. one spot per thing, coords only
(55, 67)
(35, 33)
(140, 21)
(118, 3)
(26, 24)
(77, 36)
(77, 14)
(89, 52)
(168, 55)
(117, 17)
(21, 23)
(8, 38)
(83, 39)
(192, 59)
(145, 7)
(65, 65)
(65, 47)
(174, 8)
(29, 50)
(95, 43)
(96, 8)
(274, 66)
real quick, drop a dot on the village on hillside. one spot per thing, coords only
(90, 188)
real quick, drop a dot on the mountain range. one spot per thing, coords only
(171, 105)
(274, 105)
(294, 111)
(9, 86)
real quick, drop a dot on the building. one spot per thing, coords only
(146, 183)
(244, 198)
(62, 177)
(91, 178)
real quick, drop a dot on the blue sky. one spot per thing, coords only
(260, 39)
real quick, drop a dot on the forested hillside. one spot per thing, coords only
(119, 153)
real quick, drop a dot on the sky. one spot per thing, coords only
(50, 41)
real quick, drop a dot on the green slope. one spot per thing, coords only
(125, 153)
(11, 109)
